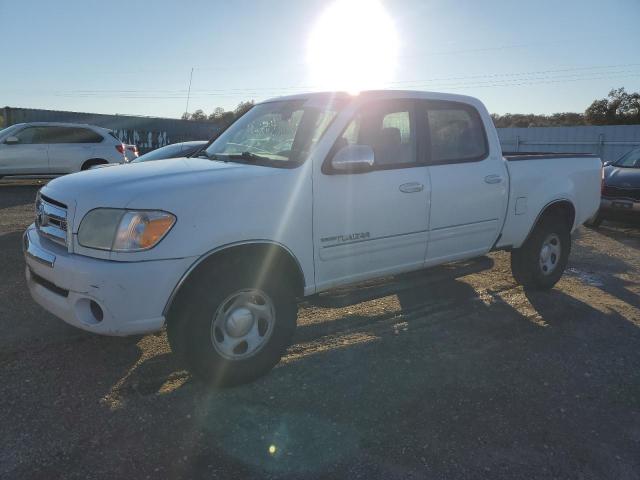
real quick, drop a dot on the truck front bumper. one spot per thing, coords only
(101, 296)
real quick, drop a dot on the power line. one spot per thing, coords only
(427, 84)
(494, 77)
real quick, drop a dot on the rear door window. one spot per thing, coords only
(456, 133)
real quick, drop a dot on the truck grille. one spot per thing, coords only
(51, 219)
(617, 192)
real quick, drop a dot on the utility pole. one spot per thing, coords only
(186, 110)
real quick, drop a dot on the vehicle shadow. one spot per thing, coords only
(353, 294)
(479, 386)
(22, 321)
(499, 385)
(606, 272)
(627, 233)
(421, 376)
(53, 377)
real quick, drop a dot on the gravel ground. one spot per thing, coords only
(454, 373)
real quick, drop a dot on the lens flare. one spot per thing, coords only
(353, 47)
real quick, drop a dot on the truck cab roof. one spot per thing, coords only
(380, 95)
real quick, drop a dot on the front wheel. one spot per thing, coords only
(229, 329)
(542, 259)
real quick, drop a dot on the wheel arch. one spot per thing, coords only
(562, 207)
(93, 161)
(265, 251)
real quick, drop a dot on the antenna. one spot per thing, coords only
(186, 110)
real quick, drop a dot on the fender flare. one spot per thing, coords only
(221, 248)
(542, 211)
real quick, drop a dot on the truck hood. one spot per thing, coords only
(118, 186)
(622, 177)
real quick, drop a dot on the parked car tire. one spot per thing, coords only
(230, 328)
(594, 222)
(542, 259)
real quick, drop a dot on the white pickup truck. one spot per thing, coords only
(300, 195)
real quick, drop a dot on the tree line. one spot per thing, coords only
(619, 107)
(219, 114)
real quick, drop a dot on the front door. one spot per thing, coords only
(28, 156)
(373, 223)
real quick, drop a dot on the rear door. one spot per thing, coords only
(70, 147)
(468, 183)
(375, 222)
(28, 156)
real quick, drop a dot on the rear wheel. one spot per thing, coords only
(229, 328)
(542, 259)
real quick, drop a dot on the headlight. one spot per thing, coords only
(124, 230)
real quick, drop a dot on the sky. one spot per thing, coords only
(135, 57)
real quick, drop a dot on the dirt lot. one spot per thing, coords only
(423, 376)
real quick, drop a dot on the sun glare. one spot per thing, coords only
(353, 47)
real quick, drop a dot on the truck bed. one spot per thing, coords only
(537, 179)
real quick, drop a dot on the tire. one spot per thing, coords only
(593, 222)
(536, 269)
(213, 315)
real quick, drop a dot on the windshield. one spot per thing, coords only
(7, 131)
(279, 134)
(630, 159)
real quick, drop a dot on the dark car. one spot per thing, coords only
(175, 150)
(621, 189)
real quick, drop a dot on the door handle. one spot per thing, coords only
(411, 187)
(493, 179)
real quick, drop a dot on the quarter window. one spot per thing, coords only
(456, 133)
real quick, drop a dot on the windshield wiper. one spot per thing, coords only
(247, 156)
(213, 156)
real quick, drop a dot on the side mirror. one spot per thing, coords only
(606, 164)
(353, 159)
(12, 140)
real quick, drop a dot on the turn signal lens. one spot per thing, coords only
(142, 230)
(155, 230)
